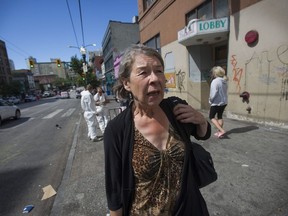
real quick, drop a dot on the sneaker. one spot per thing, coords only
(97, 139)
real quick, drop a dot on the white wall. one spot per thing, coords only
(262, 70)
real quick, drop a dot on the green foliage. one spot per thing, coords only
(14, 88)
(90, 77)
(76, 65)
(62, 84)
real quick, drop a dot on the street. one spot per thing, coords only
(33, 153)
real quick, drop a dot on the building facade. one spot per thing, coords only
(25, 77)
(194, 36)
(45, 73)
(95, 61)
(117, 38)
(5, 70)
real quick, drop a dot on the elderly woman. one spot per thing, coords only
(149, 168)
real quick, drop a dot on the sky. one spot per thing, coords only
(43, 28)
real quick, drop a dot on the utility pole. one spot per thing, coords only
(83, 54)
(85, 69)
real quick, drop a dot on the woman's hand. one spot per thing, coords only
(187, 114)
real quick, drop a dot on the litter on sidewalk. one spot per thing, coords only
(48, 192)
(27, 209)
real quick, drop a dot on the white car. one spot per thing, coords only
(64, 95)
(8, 111)
(14, 100)
(30, 98)
(47, 94)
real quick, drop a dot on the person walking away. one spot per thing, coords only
(218, 99)
(88, 106)
(101, 100)
(149, 166)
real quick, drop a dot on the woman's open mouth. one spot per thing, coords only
(153, 93)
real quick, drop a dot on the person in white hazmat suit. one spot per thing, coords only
(101, 100)
(89, 108)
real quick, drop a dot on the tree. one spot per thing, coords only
(14, 88)
(62, 84)
(76, 65)
(90, 77)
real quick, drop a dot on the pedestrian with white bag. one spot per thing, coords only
(101, 101)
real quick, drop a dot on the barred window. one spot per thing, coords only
(210, 9)
(148, 3)
(154, 43)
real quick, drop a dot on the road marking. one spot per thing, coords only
(69, 112)
(53, 114)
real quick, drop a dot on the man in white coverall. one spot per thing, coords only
(88, 106)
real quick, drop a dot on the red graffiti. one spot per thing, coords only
(237, 73)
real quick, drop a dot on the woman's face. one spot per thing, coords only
(147, 81)
(99, 90)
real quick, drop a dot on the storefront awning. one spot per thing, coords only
(204, 32)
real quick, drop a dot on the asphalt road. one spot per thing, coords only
(34, 152)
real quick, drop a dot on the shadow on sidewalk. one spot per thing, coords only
(240, 130)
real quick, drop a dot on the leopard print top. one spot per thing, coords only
(157, 175)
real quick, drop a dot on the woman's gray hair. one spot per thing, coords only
(126, 64)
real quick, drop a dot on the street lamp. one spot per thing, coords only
(82, 50)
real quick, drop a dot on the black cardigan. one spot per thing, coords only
(119, 176)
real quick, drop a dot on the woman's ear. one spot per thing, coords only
(126, 85)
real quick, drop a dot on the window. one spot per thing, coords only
(210, 9)
(205, 11)
(154, 43)
(107, 48)
(109, 64)
(221, 56)
(221, 52)
(221, 9)
(147, 3)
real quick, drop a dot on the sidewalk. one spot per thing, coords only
(251, 161)
(82, 191)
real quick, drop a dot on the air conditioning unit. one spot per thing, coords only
(135, 19)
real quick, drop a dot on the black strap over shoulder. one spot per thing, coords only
(203, 162)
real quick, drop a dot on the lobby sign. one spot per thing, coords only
(197, 27)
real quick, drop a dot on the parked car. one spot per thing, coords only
(78, 94)
(8, 111)
(14, 100)
(47, 94)
(30, 98)
(64, 95)
(4, 99)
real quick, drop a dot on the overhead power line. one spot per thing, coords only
(72, 23)
(81, 22)
(23, 51)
